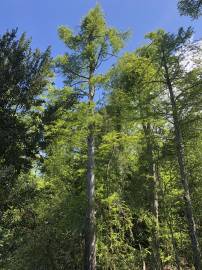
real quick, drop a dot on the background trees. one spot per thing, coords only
(24, 75)
(167, 46)
(190, 7)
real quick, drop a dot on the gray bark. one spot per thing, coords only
(143, 260)
(153, 171)
(156, 215)
(90, 236)
(174, 244)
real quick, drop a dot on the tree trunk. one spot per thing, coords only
(155, 199)
(156, 216)
(142, 257)
(90, 237)
(174, 244)
(183, 174)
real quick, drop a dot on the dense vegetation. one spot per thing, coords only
(104, 172)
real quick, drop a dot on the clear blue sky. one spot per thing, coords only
(41, 18)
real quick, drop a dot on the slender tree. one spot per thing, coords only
(91, 46)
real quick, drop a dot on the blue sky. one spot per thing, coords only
(41, 18)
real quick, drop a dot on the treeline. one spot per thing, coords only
(105, 172)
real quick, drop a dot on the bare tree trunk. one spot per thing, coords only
(144, 266)
(143, 260)
(153, 171)
(183, 175)
(90, 236)
(174, 244)
(156, 216)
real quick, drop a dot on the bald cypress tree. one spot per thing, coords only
(92, 45)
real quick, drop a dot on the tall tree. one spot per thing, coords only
(91, 46)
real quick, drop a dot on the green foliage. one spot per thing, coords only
(191, 8)
(24, 74)
(91, 46)
(140, 217)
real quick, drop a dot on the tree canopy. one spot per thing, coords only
(192, 8)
